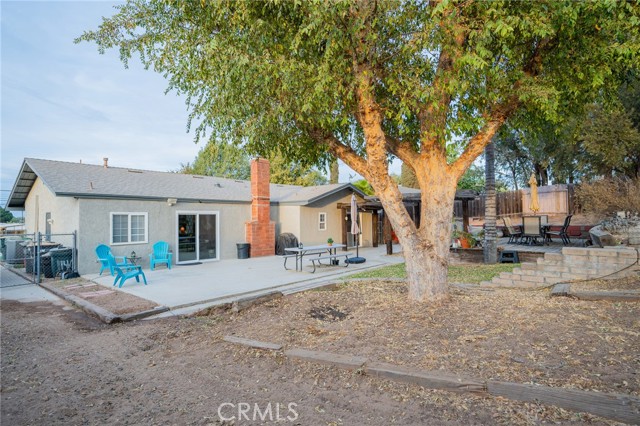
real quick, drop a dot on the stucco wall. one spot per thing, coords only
(366, 227)
(287, 219)
(309, 217)
(95, 227)
(40, 201)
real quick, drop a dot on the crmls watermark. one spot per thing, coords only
(277, 412)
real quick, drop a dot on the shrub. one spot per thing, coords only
(608, 196)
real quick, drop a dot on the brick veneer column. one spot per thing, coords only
(260, 231)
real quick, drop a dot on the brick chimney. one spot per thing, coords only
(260, 231)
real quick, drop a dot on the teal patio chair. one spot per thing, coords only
(160, 255)
(103, 252)
(125, 272)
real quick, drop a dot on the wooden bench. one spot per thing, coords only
(331, 257)
(310, 253)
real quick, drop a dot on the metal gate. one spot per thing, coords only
(37, 257)
(15, 260)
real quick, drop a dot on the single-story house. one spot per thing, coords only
(201, 217)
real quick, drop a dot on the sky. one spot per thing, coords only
(65, 101)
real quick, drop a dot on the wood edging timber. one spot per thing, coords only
(252, 343)
(613, 296)
(427, 379)
(619, 407)
(103, 314)
(622, 408)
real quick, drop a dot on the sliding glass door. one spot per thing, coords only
(197, 236)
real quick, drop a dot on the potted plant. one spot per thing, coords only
(330, 241)
(463, 239)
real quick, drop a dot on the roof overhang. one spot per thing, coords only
(328, 194)
(21, 188)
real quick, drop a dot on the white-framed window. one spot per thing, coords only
(129, 228)
(322, 221)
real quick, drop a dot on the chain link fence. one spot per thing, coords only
(38, 257)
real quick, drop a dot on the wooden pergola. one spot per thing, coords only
(412, 201)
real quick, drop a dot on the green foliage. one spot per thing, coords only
(610, 143)
(232, 162)
(285, 75)
(408, 177)
(472, 179)
(363, 186)
(288, 172)
(5, 215)
(221, 160)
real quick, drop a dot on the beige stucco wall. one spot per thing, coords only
(287, 219)
(366, 227)
(310, 234)
(40, 201)
(95, 227)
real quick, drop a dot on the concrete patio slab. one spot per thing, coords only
(16, 287)
(207, 284)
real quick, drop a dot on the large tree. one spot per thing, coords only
(365, 80)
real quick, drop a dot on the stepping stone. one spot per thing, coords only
(90, 294)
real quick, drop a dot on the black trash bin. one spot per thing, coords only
(61, 261)
(243, 250)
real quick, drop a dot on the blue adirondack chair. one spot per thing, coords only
(123, 273)
(103, 252)
(160, 255)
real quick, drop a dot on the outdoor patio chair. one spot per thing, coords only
(123, 273)
(531, 230)
(103, 252)
(514, 232)
(161, 254)
(563, 233)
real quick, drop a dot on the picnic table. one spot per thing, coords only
(329, 252)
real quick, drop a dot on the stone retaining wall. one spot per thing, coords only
(574, 263)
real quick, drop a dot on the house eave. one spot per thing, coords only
(143, 198)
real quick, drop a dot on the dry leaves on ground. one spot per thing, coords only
(509, 335)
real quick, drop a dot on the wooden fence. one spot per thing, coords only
(507, 204)
(553, 199)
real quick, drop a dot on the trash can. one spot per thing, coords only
(45, 265)
(243, 250)
(61, 261)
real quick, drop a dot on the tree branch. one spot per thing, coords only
(401, 149)
(340, 150)
(433, 116)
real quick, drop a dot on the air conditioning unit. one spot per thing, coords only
(15, 251)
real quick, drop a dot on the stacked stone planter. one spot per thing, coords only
(572, 264)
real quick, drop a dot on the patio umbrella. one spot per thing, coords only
(355, 230)
(534, 205)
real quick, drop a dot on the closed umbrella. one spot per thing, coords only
(535, 202)
(355, 230)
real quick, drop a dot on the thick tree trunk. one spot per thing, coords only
(490, 233)
(425, 249)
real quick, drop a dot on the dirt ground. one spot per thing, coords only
(61, 367)
(110, 299)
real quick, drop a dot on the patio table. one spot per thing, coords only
(301, 252)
